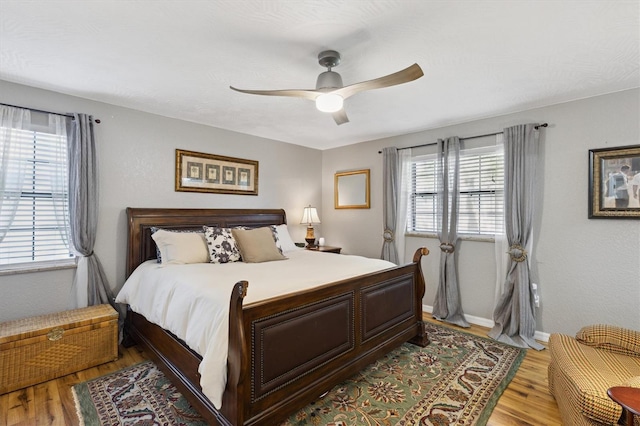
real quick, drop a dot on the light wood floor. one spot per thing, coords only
(525, 402)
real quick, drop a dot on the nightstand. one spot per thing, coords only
(326, 249)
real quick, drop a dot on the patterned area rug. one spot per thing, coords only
(139, 395)
(456, 380)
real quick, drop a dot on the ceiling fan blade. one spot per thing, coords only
(340, 117)
(302, 93)
(406, 75)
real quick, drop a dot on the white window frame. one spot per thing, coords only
(490, 215)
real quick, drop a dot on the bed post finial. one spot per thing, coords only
(422, 251)
(242, 288)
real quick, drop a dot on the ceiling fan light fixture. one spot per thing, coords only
(330, 93)
(329, 102)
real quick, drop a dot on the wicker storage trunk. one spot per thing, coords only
(37, 349)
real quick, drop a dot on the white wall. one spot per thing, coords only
(588, 270)
(136, 155)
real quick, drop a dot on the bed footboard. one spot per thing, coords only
(290, 350)
(286, 352)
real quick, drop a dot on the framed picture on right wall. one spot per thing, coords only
(614, 183)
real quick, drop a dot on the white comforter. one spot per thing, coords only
(192, 301)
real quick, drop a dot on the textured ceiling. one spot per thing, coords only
(178, 58)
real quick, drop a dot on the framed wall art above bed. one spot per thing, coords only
(200, 172)
(614, 183)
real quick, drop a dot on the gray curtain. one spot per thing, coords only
(390, 203)
(90, 283)
(447, 306)
(514, 315)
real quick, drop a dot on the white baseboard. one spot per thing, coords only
(542, 337)
(485, 322)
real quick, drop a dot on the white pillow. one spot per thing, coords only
(283, 238)
(181, 247)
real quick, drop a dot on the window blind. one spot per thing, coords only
(37, 221)
(481, 201)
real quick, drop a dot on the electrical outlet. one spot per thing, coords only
(536, 297)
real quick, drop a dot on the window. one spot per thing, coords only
(34, 208)
(481, 189)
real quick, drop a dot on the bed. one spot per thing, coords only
(345, 326)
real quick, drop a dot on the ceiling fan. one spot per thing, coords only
(330, 94)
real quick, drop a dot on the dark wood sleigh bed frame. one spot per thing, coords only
(287, 351)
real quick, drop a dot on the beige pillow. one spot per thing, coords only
(257, 245)
(181, 247)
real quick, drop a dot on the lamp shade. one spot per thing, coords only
(310, 216)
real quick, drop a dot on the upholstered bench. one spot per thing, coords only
(583, 368)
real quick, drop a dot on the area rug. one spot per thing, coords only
(456, 380)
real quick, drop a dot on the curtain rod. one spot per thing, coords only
(467, 138)
(45, 112)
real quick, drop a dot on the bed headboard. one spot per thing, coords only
(140, 246)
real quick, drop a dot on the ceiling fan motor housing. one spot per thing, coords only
(329, 80)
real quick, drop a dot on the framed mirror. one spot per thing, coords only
(351, 190)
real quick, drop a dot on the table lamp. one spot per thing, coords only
(310, 218)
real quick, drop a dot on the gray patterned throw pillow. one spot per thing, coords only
(222, 246)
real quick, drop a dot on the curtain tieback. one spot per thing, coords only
(447, 247)
(388, 235)
(517, 253)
